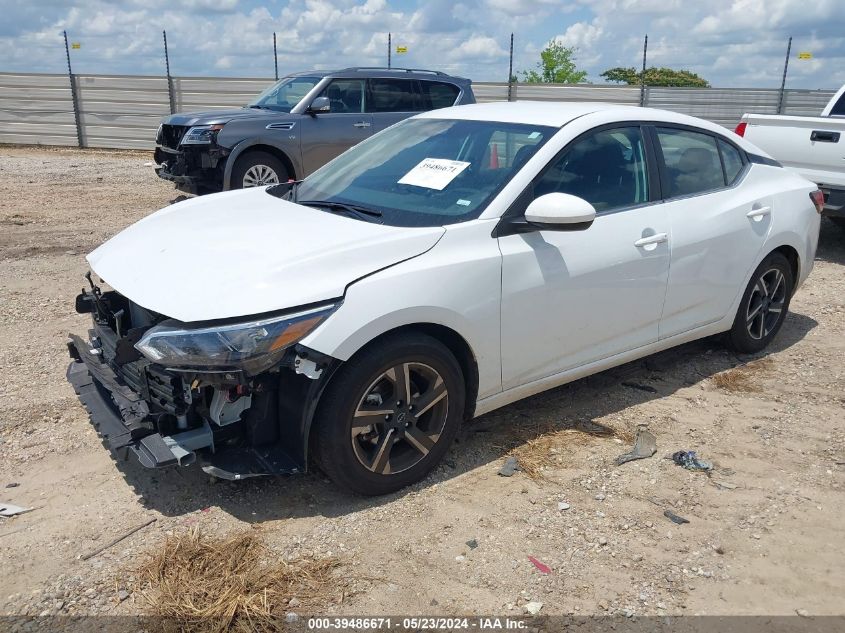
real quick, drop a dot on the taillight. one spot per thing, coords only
(818, 199)
(740, 129)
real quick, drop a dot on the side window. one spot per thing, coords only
(692, 162)
(345, 95)
(607, 169)
(732, 160)
(392, 95)
(838, 108)
(436, 94)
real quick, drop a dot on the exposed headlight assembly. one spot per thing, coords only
(253, 346)
(201, 134)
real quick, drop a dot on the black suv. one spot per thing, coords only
(296, 126)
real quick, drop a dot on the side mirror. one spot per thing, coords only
(560, 212)
(320, 104)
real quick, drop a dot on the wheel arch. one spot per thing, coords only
(791, 254)
(257, 145)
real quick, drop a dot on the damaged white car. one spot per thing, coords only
(454, 263)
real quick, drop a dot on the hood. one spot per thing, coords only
(246, 252)
(214, 117)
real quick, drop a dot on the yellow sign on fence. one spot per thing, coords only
(805, 55)
(401, 49)
(76, 45)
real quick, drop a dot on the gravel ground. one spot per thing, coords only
(764, 533)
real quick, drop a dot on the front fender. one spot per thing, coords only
(291, 152)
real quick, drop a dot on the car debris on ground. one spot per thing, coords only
(644, 447)
(690, 461)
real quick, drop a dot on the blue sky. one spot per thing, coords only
(729, 42)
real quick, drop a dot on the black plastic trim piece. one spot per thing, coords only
(763, 160)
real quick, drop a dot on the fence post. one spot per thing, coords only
(642, 76)
(510, 73)
(170, 94)
(389, 44)
(275, 57)
(73, 96)
(783, 83)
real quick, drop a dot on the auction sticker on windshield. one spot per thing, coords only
(434, 173)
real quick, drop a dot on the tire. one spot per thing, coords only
(376, 452)
(764, 305)
(838, 221)
(256, 169)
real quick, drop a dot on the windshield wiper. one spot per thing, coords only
(255, 106)
(353, 209)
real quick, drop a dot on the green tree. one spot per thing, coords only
(656, 77)
(556, 66)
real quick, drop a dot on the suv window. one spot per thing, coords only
(436, 94)
(607, 169)
(692, 162)
(392, 95)
(345, 95)
(838, 108)
(732, 160)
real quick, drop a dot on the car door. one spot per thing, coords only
(570, 298)
(719, 218)
(391, 100)
(325, 135)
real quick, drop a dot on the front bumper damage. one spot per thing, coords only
(167, 418)
(194, 169)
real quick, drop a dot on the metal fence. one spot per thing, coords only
(123, 111)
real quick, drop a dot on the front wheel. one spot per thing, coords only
(257, 169)
(389, 415)
(764, 305)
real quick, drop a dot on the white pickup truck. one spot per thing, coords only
(812, 146)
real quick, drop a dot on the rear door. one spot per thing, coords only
(326, 135)
(720, 213)
(390, 100)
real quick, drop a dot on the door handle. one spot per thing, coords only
(759, 213)
(657, 238)
(824, 136)
(361, 124)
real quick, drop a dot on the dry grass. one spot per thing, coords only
(548, 446)
(202, 584)
(745, 378)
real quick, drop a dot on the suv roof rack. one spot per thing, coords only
(403, 70)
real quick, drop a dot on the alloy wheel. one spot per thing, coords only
(765, 304)
(400, 418)
(260, 175)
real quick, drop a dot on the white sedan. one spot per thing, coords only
(450, 265)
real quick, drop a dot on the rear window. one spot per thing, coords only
(392, 95)
(692, 162)
(436, 94)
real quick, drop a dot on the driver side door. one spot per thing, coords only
(570, 298)
(325, 135)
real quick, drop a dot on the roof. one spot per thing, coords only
(374, 71)
(559, 113)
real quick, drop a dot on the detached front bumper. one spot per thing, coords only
(123, 420)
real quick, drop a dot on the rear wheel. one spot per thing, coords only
(257, 169)
(764, 305)
(389, 415)
(838, 221)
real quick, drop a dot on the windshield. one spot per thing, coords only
(426, 172)
(283, 95)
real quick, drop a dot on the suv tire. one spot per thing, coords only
(256, 169)
(372, 438)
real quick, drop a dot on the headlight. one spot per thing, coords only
(201, 134)
(253, 346)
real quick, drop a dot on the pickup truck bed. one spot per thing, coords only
(812, 146)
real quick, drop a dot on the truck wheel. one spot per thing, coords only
(838, 221)
(389, 414)
(763, 306)
(256, 169)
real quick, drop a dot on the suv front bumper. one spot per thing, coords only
(194, 168)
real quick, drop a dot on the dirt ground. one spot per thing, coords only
(765, 531)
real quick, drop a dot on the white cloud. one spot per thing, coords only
(729, 42)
